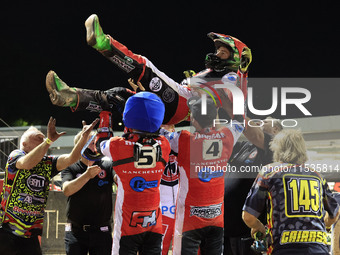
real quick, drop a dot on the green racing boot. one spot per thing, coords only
(60, 93)
(79, 99)
(94, 34)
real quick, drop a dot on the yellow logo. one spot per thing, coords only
(303, 236)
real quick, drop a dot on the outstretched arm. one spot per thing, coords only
(66, 160)
(32, 158)
(255, 135)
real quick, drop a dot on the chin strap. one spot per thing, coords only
(104, 132)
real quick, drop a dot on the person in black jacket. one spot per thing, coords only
(248, 156)
(88, 186)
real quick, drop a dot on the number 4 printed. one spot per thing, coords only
(212, 149)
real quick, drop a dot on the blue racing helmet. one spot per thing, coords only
(144, 111)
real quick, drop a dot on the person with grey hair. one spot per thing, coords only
(88, 186)
(299, 203)
(26, 187)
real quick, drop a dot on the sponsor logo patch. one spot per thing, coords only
(122, 63)
(102, 174)
(36, 182)
(102, 183)
(31, 199)
(303, 236)
(139, 184)
(155, 84)
(205, 174)
(170, 175)
(206, 212)
(170, 209)
(168, 95)
(94, 107)
(145, 219)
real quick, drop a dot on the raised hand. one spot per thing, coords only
(52, 133)
(86, 131)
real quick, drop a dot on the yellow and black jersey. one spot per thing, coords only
(296, 198)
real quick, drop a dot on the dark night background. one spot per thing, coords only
(287, 39)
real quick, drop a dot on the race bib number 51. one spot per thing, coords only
(147, 158)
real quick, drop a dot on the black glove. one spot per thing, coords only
(117, 96)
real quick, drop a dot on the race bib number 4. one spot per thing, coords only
(212, 149)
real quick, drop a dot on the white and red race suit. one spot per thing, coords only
(173, 94)
(169, 188)
(137, 208)
(201, 188)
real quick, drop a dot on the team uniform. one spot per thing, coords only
(138, 217)
(199, 210)
(89, 211)
(168, 192)
(297, 199)
(245, 156)
(23, 201)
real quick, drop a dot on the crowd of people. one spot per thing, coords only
(168, 188)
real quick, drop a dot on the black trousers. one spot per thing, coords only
(11, 244)
(147, 243)
(79, 242)
(208, 239)
(239, 246)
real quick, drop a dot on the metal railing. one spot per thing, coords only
(7, 144)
